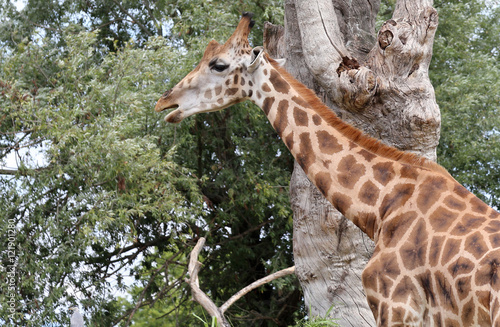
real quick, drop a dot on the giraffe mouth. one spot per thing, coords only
(175, 116)
(164, 104)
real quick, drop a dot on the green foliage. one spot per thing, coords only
(107, 192)
(466, 75)
(120, 197)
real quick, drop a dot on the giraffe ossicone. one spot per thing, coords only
(437, 255)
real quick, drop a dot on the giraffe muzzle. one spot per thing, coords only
(165, 102)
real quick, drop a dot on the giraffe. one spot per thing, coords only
(437, 255)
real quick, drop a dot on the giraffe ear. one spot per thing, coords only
(256, 56)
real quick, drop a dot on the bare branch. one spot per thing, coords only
(200, 297)
(8, 171)
(254, 285)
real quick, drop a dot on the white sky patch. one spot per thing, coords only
(20, 4)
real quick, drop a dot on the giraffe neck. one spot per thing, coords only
(352, 170)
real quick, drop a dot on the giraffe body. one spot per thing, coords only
(437, 251)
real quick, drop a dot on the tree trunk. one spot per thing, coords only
(378, 84)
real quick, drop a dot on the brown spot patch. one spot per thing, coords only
(218, 90)
(414, 250)
(463, 286)
(408, 171)
(231, 91)
(367, 155)
(350, 171)
(383, 172)
(242, 81)
(208, 94)
(441, 219)
(450, 250)
(367, 222)
(494, 214)
(476, 245)
(268, 103)
(341, 202)
(468, 224)
(266, 87)
(393, 230)
(396, 199)
(430, 192)
(384, 314)
(369, 193)
(300, 117)
(382, 271)
(317, 119)
(461, 266)
(483, 317)
(455, 204)
(488, 272)
(478, 206)
(398, 315)
(460, 191)
(495, 240)
(306, 156)
(449, 322)
(406, 288)
(493, 226)
(289, 140)
(446, 293)
(435, 250)
(328, 143)
(323, 182)
(235, 81)
(279, 84)
(426, 284)
(468, 313)
(352, 145)
(281, 120)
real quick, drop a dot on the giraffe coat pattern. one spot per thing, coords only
(437, 255)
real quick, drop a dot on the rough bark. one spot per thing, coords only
(379, 84)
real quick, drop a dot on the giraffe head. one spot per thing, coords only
(221, 79)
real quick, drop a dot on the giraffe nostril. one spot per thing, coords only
(167, 93)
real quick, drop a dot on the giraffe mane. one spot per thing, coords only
(355, 135)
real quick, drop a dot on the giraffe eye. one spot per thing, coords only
(219, 67)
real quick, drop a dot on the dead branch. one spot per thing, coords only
(207, 304)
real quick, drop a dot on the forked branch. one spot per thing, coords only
(207, 304)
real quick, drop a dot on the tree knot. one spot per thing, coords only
(347, 64)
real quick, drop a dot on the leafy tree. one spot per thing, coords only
(107, 194)
(466, 76)
(120, 194)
